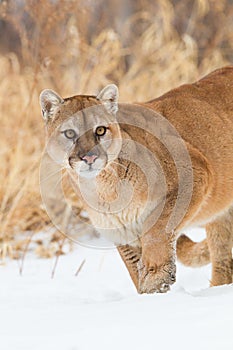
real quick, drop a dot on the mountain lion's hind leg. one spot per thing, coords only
(191, 253)
(219, 235)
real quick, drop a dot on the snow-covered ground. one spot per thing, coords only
(100, 309)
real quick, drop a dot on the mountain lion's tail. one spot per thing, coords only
(191, 253)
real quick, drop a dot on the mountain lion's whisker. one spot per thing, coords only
(52, 174)
(59, 180)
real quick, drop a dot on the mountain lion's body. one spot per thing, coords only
(202, 114)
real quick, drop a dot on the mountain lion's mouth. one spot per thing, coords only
(89, 170)
(88, 173)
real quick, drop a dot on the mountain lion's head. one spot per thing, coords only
(83, 133)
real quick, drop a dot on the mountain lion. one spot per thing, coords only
(133, 171)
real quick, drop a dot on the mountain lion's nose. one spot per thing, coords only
(89, 158)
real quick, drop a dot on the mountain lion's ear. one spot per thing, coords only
(49, 100)
(109, 97)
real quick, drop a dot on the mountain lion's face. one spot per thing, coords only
(83, 132)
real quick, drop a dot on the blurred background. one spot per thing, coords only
(146, 47)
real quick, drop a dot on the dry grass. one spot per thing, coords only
(145, 47)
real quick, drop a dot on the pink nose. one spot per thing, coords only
(89, 159)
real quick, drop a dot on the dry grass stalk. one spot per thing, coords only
(80, 268)
(59, 252)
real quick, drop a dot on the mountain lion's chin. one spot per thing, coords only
(88, 174)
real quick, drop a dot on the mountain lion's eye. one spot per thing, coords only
(70, 134)
(100, 131)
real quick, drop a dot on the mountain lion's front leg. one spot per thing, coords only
(156, 268)
(131, 256)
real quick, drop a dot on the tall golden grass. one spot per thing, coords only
(145, 47)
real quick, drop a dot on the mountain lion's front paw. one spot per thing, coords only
(157, 279)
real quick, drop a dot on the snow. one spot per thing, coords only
(100, 309)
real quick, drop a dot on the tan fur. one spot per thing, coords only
(191, 253)
(202, 113)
